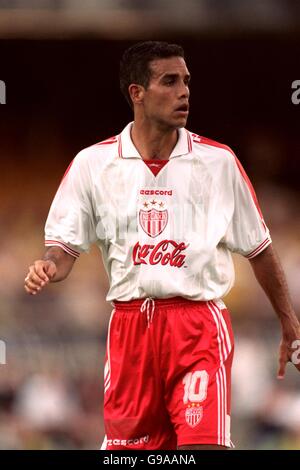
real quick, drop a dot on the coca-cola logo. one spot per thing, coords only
(165, 252)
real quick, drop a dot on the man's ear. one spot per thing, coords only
(136, 93)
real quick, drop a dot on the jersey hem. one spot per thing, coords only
(62, 245)
(259, 249)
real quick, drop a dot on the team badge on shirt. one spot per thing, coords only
(193, 414)
(154, 220)
(153, 213)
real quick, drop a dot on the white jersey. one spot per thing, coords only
(160, 236)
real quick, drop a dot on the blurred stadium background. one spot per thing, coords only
(59, 60)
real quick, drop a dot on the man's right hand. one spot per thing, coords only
(39, 275)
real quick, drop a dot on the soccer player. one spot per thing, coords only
(166, 207)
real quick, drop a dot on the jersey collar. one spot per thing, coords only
(126, 148)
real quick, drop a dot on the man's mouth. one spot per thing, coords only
(183, 108)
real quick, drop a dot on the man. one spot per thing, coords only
(166, 207)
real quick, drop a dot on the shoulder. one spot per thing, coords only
(98, 153)
(205, 146)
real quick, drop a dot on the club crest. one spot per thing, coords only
(193, 415)
(153, 221)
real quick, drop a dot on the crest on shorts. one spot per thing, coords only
(193, 415)
(153, 221)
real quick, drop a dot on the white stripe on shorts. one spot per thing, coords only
(104, 443)
(221, 379)
(107, 367)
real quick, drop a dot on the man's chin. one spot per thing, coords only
(174, 123)
(178, 121)
(181, 122)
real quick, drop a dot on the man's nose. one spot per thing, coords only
(184, 91)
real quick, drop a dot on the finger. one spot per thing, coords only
(281, 370)
(40, 269)
(31, 288)
(32, 284)
(50, 269)
(30, 291)
(34, 278)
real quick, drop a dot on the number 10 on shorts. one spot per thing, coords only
(195, 386)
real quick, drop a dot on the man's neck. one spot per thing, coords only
(153, 143)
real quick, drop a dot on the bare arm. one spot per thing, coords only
(269, 273)
(55, 266)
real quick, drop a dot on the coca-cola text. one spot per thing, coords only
(165, 252)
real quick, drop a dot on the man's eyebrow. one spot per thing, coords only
(174, 75)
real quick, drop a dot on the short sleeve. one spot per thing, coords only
(247, 233)
(70, 222)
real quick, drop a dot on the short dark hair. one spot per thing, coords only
(134, 65)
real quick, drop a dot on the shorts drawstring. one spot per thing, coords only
(146, 306)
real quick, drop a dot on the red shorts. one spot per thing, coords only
(167, 374)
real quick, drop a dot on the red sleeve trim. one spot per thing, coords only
(67, 170)
(120, 147)
(204, 140)
(213, 143)
(259, 249)
(251, 189)
(110, 140)
(62, 245)
(189, 142)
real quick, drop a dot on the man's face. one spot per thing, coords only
(166, 100)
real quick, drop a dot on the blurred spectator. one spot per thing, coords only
(45, 401)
